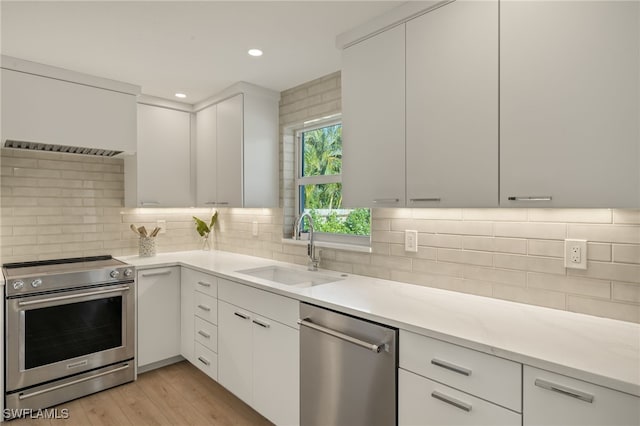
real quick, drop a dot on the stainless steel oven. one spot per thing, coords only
(70, 330)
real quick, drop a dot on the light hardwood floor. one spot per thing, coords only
(178, 394)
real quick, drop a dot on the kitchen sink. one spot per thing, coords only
(289, 276)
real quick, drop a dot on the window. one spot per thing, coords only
(319, 186)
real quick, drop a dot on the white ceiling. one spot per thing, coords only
(198, 48)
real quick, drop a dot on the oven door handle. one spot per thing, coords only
(74, 296)
(75, 382)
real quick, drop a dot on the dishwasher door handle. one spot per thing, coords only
(371, 346)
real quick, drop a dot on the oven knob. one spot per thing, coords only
(36, 283)
(128, 272)
(114, 274)
(17, 285)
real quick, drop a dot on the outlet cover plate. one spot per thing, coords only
(575, 254)
(411, 241)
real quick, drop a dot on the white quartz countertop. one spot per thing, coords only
(597, 350)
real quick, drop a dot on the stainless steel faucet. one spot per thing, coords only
(314, 261)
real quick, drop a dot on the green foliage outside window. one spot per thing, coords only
(322, 156)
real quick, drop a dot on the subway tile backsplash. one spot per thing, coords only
(63, 205)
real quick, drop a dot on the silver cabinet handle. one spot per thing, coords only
(210, 203)
(243, 316)
(420, 200)
(533, 198)
(74, 296)
(149, 203)
(583, 396)
(74, 382)
(203, 334)
(156, 274)
(451, 367)
(261, 324)
(204, 284)
(451, 401)
(371, 346)
(223, 203)
(204, 308)
(204, 361)
(386, 200)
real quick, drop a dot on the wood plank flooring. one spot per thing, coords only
(178, 394)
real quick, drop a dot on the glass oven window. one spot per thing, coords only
(66, 331)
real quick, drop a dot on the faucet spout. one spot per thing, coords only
(314, 261)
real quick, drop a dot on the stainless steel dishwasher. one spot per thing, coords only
(348, 370)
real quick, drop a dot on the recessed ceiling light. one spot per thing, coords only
(255, 52)
(181, 95)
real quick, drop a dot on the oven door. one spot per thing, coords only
(55, 335)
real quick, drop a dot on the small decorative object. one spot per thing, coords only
(205, 229)
(147, 241)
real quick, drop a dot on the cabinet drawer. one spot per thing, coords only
(276, 307)
(488, 377)
(204, 283)
(205, 307)
(553, 399)
(207, 361)
(206, 334)
(424, 402)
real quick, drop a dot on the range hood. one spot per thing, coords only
(32, 146)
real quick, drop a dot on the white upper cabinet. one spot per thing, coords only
(48, 105)
(237, 149)
(569, 103)
(452, 106)
(373, 121)
(159, 175)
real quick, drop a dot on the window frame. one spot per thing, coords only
(357, 240)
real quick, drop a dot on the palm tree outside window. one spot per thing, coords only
(319, 186)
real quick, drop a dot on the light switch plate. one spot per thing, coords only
(411, 241)
(254, 228)
(575, 254)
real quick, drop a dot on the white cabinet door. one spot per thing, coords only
(235, 350)
(569, 103)
(452, 106)
(52, 111)
(276, 371)
(229, 163)
(187, 336)
(163, 158)
(158, 302)
(373, 121)
(206, 182)
(551, 399)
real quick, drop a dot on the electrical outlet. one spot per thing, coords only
(254, 228)
(162, 224)
(575, 254)
(411, 241)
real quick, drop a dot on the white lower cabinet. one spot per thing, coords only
(158, 304)
(552, 399)
(258, 357)
(425, 402)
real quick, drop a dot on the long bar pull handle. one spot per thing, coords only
(386, 200)
(420, 200)
(156, 274)
(261, 324)
(451, 401)
(451, 367)
(203, 334)
(204, 361)
(149, 203)
(204, 308)
(371, 346)
(74, 296)
(583, 396)
(74, 382)
(243, 316)
(204, 284)
(533, 198)
(223, 203)
(210, 203)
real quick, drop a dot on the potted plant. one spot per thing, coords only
(205, 229)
